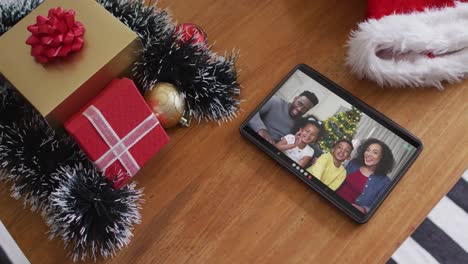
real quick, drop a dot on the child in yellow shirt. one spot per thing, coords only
(329, 167)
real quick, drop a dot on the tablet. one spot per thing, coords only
(335, 143)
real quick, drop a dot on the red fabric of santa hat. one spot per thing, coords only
(411, 43)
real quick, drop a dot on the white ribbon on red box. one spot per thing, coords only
(118, 147)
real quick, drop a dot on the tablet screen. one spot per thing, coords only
(332, 141)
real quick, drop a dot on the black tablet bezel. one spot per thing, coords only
(314, 183)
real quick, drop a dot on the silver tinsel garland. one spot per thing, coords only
(50, 173)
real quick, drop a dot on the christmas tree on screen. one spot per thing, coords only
(340, 126)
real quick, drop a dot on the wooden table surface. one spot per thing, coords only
(213, 197)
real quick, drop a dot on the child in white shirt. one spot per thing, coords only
(296, 147)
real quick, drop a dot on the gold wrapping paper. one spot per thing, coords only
(60, 89)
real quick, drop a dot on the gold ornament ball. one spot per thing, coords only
(166, 103)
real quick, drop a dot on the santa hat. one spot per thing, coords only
(411, 43)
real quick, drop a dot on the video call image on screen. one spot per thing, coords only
(335, 142)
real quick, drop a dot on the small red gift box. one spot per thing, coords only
(118, 131)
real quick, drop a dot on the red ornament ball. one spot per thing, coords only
(189, 32)
(56, 35)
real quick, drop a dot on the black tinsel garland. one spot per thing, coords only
(13, 11)
(51, 174)
(12, 107)
(31, 152)
(207, 81)
(88, 213)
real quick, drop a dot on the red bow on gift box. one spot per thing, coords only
(56, 35)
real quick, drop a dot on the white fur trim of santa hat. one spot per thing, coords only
(442, 33)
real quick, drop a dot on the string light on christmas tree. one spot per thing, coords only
(340, 126)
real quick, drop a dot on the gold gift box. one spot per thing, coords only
(60, 89)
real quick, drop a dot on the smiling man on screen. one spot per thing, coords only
(276, 117)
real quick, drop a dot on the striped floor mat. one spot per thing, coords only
(443, 236)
